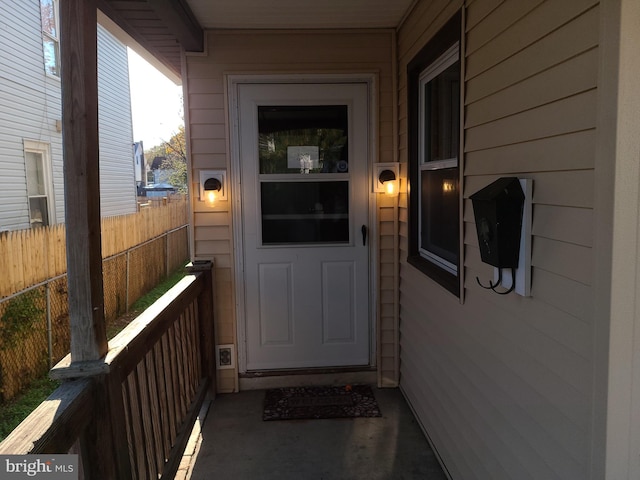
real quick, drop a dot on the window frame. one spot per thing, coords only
(53, 38)
(44, 150)
(442, 51)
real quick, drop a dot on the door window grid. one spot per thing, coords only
(304, 174)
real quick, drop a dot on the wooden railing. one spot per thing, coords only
(132, 414)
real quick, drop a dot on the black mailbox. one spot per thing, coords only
(497, 209)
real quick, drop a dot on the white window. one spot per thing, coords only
(439, 119)
(37, 158)
(434, 137)
(50, 36)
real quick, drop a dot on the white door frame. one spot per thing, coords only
(236, 194)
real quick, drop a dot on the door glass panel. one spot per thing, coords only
(305, 212)
(303, 139)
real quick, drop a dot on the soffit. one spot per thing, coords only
(285, 14)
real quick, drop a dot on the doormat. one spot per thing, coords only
(293, 403)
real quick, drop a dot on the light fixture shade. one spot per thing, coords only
(213, 186)
(386, 176)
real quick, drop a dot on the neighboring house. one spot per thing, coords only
(31, 184)
(293, 111)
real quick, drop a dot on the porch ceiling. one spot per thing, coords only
(164, 27)
(300, 13)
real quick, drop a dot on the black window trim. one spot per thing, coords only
(439, 44)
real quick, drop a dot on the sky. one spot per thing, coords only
(156, 103)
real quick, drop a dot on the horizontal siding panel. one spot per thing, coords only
(568, 115)
(569, 78)
(571, 261)
(477, 11)
(203, 100)
(574, 151)
(320, 48)
(206, 115)
(424, 22)
(460, 458)
(200, 146)
(566, 369)
(205, 85)
(208, 160)
(571, 225)
(498, 405)
(572, 331)
(211, 219)
(566, 188)
(21, 35)
(117, 184)
(553, 189)
(542, 21)
(505, 364)
(500, 20)
(206, 131)
(564, 294)
(212, 233)
(576, 37)
(214, 247)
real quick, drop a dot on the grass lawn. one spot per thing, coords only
(13, 412)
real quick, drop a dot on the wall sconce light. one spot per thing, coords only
(386, 178)
(212, 186)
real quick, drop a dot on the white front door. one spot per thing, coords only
(303, 152)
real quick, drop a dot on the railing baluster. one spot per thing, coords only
(147, 421)
(135, 427)
(134, 415)
(154, 409)
(162, 399)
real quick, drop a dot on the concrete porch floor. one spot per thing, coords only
(235, 443)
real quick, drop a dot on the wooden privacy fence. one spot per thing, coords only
(133, 417)
(34, 323)
(30, 257)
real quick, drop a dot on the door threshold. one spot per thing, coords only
(308, 377)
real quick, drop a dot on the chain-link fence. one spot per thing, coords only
(34, 323)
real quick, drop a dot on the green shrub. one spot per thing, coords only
(20, 315)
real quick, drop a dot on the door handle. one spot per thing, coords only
(364, 234)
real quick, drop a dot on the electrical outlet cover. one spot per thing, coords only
(225, 357)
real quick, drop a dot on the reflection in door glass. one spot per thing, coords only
(303, 139)
(305, 212)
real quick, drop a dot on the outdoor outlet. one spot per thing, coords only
(225, 357)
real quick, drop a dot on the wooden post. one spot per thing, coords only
(78, 42)
(206, 307)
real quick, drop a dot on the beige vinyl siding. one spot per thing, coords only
(503, 385)
(296, 52)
